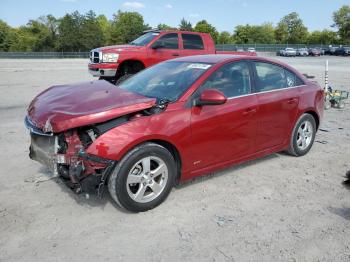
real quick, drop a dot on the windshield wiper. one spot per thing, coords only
(164, 101)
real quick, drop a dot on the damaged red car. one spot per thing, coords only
(171, 122)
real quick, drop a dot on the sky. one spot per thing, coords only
(223, 14)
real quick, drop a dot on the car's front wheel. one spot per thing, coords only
(143, 178)
(303, 135)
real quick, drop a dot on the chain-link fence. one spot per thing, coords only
(221, 47)
(44, 55)
(265, 47)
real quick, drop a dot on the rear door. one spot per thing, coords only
(192, 44)
(223, 133)
(169, 49)
(278, 98)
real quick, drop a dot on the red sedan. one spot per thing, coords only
(174, 121)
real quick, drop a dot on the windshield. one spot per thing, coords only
(144, 39)
(166, 81)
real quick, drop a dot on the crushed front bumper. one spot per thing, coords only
(44, 150)
(43, 147)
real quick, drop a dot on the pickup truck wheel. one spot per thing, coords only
(123, 78)
(143, 178)
(303, 135)
(108, 79)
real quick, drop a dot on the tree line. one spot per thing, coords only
(82, 32)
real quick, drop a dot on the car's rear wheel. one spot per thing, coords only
(303, 135)
(143, 178)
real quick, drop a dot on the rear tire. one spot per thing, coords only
(303, 135)
(143, 178)
(341, 104)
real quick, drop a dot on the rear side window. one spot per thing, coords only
(232, 80)
(269, 77)
(169, 41)
(292, 79)
(273, 77)
(192, 41)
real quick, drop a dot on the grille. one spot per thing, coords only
(94, 57)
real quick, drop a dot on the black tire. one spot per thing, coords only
(327, 104)
(122, 79)
(118, 186)
(108, 79)
(341, 104)
(294, 149)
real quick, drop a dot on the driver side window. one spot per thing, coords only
(168, 41)
(232, 80)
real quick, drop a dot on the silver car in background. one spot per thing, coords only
(302, 52)
(288, 52)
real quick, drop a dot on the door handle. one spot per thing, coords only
(249, 111)
(175, 54)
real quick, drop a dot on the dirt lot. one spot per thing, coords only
(278, 208)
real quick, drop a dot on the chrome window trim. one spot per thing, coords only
(269, 91)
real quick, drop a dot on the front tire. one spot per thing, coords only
(303, 135)
(143, 178)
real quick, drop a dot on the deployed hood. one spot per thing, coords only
(67, 106)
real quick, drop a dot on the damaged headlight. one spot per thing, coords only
(109, 57)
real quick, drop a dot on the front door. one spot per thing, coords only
(165, 48)
(223, 133)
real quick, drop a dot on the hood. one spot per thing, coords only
(120, 48)
(63, 107)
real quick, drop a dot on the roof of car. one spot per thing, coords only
(216, 59)
(211, 59)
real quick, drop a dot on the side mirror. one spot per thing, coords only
(211, 97)
(157, 45)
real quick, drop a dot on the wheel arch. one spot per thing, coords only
(315, 116)
(171, 147)
(134, 64)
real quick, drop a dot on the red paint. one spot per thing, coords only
(69, 106)
(207, 137)
(149, 56)
(212, 96)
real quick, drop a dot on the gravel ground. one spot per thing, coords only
(277, 208)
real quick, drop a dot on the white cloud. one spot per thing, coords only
(168, 6)
(134, 5)
(194, 15)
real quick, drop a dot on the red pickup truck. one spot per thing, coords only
(116, 63)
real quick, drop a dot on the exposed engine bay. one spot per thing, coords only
(64, 153)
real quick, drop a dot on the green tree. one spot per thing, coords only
(341, 19)
(185, 25)
(242, 34)
(35, 36)
(291, 30)
(163, 27)
(91, 32)
(251, 34)
(325, 37)
(204, 27)
(225, 38)
(69, 32)
(127, 26)
(5, 36)
(106, 27)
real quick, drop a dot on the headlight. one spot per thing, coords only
(110, 57)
